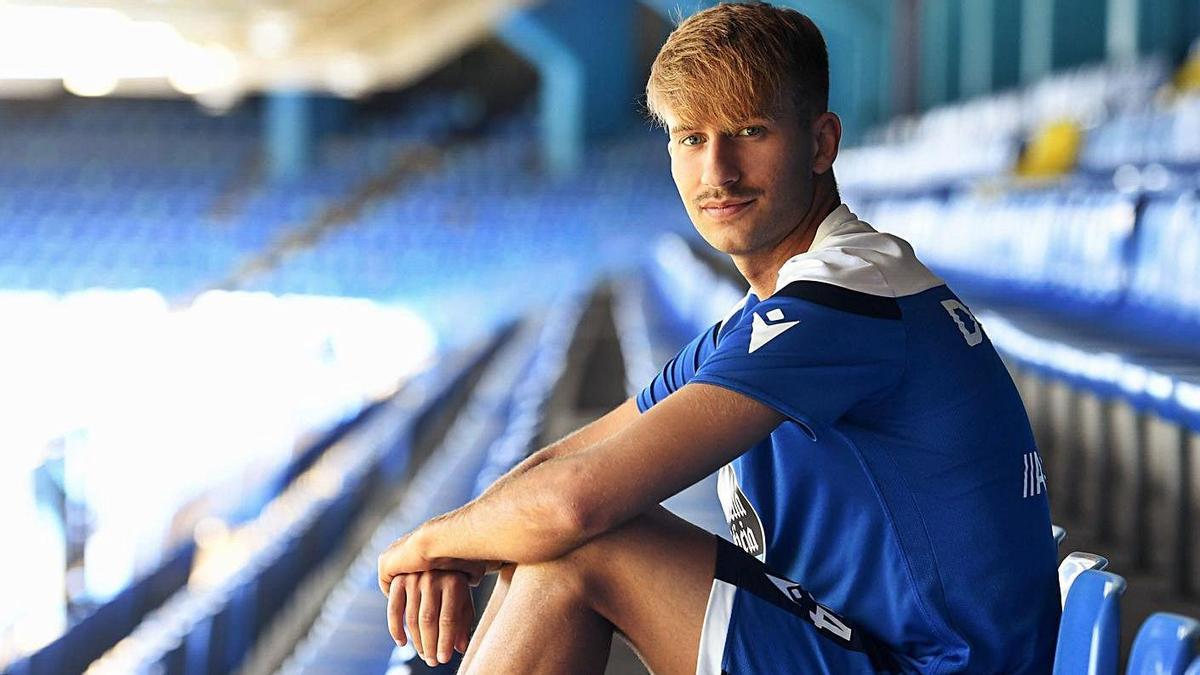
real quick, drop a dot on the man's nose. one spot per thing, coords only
(720, 164)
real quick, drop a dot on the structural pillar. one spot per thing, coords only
(906, 55)
(1141, 27)
(1006, 44)
(940, 42)
(978, 46)
(1058, 34)
(290, 134)
(1079, 33)
(1122, 35)
(1037, 39)
(560, 91)
(990, 39)
(583, 54)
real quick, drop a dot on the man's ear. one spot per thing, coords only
(827, 137)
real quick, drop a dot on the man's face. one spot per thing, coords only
(745, 189)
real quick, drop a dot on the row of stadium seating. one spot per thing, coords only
(128, 194)
(219, 594)
(1090, 630)
(350, 634)
(496, 430)
(1127, 263)
(1097, 118)
(1095, 294)
(485, 218)
(93, 206)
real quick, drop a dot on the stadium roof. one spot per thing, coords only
(220, 50)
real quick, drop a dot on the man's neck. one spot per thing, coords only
(761, 268)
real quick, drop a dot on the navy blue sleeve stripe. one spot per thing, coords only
(678, 370)
(713, 330)
(844, 299)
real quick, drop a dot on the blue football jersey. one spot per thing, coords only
(903, 490)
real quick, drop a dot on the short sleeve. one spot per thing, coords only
(680, 369)
(808, 361)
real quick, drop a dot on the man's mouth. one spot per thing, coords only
(725, 209)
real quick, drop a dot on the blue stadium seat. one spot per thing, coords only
(1165, 644)
(1074, 564)
(1089, 635)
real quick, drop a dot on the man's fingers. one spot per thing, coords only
(395, 610)
(411, 608)
(428, 617)
(450, 623)
(474, 569)
(437, 611)
(468, 620)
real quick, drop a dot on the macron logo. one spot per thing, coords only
(762, 332)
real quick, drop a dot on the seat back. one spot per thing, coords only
(1072, 565)
(1089, 635)
(1166, 643)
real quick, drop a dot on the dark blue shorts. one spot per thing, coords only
(761, 623)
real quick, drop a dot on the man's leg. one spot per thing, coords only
(650, 579)
(591, 642)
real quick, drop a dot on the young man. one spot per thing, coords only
(876, 461)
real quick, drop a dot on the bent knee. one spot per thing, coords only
(593, 571)
(562, 579)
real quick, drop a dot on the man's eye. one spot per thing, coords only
(693, 139)
(751, 131)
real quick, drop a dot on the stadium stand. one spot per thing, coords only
(121, 195)
(1088, 283)
(215, 623)
(484, 210)
(90, 192)
(496, 429)
(982, 138)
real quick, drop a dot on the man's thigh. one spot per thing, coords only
(654, 580)
(651, 579)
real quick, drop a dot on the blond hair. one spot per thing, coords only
(735, 62)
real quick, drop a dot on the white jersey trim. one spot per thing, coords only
(849, 253)
(716, 628)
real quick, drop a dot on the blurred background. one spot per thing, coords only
(278, 281)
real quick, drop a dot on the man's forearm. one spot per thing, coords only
(523, 518)
(582, 438)
(526, 515)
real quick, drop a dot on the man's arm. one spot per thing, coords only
(582, 438)
(557, 504)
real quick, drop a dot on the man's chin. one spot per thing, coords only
(729, 246)
(726, 238)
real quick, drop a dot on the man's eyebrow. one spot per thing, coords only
(753, 121)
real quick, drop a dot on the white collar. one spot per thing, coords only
(834, 223)
(839, 221)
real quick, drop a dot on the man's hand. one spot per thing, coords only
(436, 608)
(407, 555)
